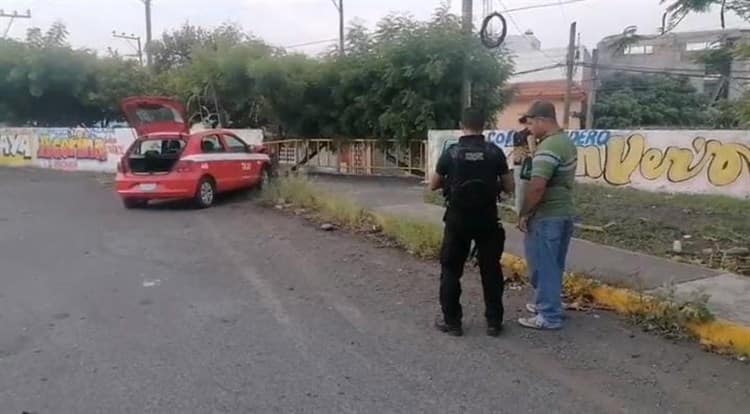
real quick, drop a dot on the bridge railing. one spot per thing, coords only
(357, 157)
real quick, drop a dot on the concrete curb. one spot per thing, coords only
(718, 335)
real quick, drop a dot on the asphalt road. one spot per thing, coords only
(241, 309)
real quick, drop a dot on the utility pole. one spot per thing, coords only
(467, 15)
(592, 93)
(13, 16)
(571, 61)
(147, 4)
(339, 5)
(131, 37)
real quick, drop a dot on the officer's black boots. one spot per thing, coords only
(494, 330)
(450, 329)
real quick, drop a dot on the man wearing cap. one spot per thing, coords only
(547, 214)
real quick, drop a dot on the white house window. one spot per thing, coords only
(698, 46)
(639, 50)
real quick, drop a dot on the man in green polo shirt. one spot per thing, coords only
(547, 214)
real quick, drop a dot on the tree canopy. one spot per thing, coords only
(396, 81)
(633, 101)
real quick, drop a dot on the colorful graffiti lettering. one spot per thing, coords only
(617, 161)
(503, 139)
(679, 161)
(79, 148)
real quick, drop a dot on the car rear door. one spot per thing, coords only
(155, 114)
(245, 172)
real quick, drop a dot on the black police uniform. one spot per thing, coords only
(471, 169)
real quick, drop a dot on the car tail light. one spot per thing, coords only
(185, 166)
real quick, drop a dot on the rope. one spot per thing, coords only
(484, 35)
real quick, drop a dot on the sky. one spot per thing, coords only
(292, 22)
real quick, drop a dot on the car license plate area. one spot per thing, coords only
(147, 187)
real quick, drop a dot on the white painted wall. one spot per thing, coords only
(696, 162)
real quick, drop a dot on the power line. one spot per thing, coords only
(662, 72)
(13, 16)
(539, 69)
(522, 32)
(540, 6)
(314, 42)
(673, 69)
(128, 38)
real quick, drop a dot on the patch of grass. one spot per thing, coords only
(650, 222)
(422, 239)
(434, 197)
(663, 313)
(419, 238)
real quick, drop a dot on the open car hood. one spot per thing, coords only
(153, 114)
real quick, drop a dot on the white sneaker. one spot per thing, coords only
(531, 308)
(538, 323)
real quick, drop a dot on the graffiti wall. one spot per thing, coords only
(74, 149)
(704, 162)
(81, 149)
(16, 147)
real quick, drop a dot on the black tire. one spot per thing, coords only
(205, 193)
(133, 203)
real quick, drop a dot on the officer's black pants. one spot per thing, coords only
(489, 237)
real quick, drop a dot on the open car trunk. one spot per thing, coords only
(155, 155)
(155, 114)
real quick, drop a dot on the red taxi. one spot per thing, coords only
(166, 161)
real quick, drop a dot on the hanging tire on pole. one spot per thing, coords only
(488, 40)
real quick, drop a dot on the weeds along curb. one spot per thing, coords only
(423, 239)
(714, 335)
(419, 238)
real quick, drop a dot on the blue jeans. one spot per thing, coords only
(546, 244)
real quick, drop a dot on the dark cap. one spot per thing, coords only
(540, 109)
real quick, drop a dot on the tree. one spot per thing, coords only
(43, 76)
(678, 9)
(176, 48)
(633, 101)
(55, 36)
(719, 60)
(404, 78)
(115, 78)
(398, 81)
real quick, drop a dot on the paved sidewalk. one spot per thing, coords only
(729, 293)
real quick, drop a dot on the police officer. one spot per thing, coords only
(473, 171)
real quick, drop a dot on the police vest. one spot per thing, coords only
(473, 176)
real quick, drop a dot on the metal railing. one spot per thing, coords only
(357, 157)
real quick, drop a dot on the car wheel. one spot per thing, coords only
(132, 203)
(205, 194)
